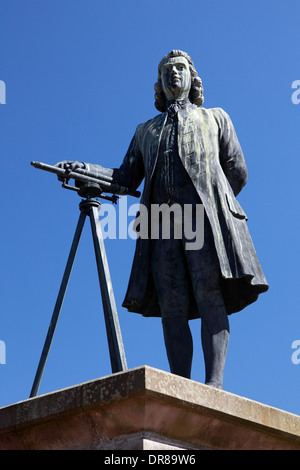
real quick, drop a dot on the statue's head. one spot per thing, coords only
(196, 89)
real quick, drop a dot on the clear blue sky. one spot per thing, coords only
(79, 78)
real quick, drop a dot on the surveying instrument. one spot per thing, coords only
(88, 187)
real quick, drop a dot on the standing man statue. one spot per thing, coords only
(190, 155)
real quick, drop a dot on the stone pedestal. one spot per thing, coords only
(145, 408)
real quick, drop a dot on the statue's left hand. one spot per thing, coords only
(70, 165)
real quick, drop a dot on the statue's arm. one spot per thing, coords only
(231, 156)
(130, 174)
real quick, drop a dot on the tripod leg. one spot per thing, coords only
(58, 305)
(115, 342)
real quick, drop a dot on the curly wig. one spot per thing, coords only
(196, 92)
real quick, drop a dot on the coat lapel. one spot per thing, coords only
(154, 134)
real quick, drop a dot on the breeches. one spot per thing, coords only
(179, 274)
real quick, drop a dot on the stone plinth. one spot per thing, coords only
(145, 408)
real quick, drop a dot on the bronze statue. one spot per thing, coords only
(189, 155)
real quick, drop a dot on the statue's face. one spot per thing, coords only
(176, 78)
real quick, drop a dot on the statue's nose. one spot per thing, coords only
(174, 71)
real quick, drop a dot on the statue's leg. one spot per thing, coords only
(204, 273)
(179, 345)
(215, 337)
(170, 276)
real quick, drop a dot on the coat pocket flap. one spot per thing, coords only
(235, 208)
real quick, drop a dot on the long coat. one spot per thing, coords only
(212, 156)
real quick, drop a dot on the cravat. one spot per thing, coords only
(173, 109)
(175, 105)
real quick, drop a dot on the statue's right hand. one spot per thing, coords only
(69, 165)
